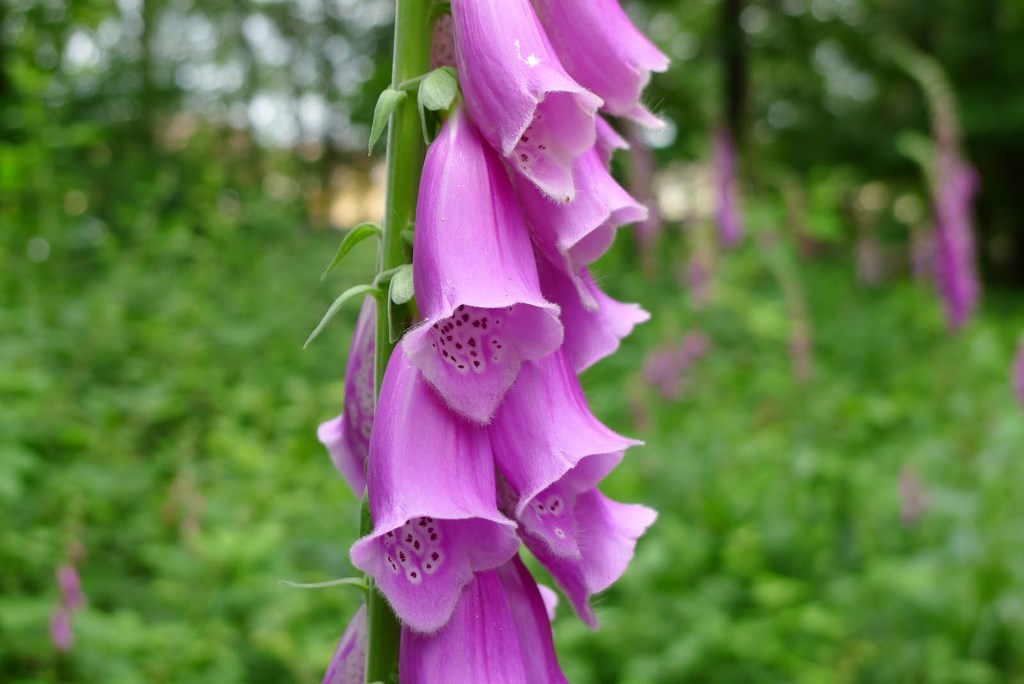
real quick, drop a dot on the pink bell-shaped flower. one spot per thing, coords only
(347, 437)
(590, 334)
(527, 107)
(578, 233)
(475, 277)
(499, 634)
(608, 140)
(549, 448)
(607, 532)
(348, 666)
(432, 490)
(602, 49)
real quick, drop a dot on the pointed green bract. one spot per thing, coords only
(350, 293)
(401, 290)
(438, 89)
(351, 239)
(386, 104)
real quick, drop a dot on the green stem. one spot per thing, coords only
(404, 165)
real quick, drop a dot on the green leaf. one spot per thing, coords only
(350, 293)
(401, 289)
(438, 89)
(386, 104)
(351, 239)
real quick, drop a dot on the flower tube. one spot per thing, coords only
(475, 277)
(527, 107)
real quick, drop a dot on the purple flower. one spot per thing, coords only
(527, 107)
(578, 233)
(499, 632)
(432, 499)
(475, 277)
(70, 587)
(1018, 373)
(667, 366)
(602, 49)
(954, 235)
(60, 629)
(348, 666)
(607, 532)
(347, 437)
(729, 221)
(549, 448)
(608, 140)
(590, 335)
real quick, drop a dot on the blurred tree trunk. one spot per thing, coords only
(734, 68)
(147, 94)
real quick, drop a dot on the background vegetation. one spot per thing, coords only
(170, 174)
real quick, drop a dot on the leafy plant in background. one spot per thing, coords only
(481, 437)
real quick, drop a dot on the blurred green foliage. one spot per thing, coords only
(159, 259)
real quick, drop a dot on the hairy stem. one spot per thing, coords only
(405, 151)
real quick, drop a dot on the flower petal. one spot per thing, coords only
(347, 437)
(549, 447)
(608, 140)
(519, 94)
(590, 334)
(499, 634)
(578, 233)
(475, 277)
(602, 49)
(348, 665)
(608, 534)
(432, 499)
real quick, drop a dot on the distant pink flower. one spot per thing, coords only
(730, 223)
(954, 235)
(70, 587)
(528, 108)
(60, 629)
(667, 366)
(913, 497)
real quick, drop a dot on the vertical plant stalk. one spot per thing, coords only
(405, 153)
